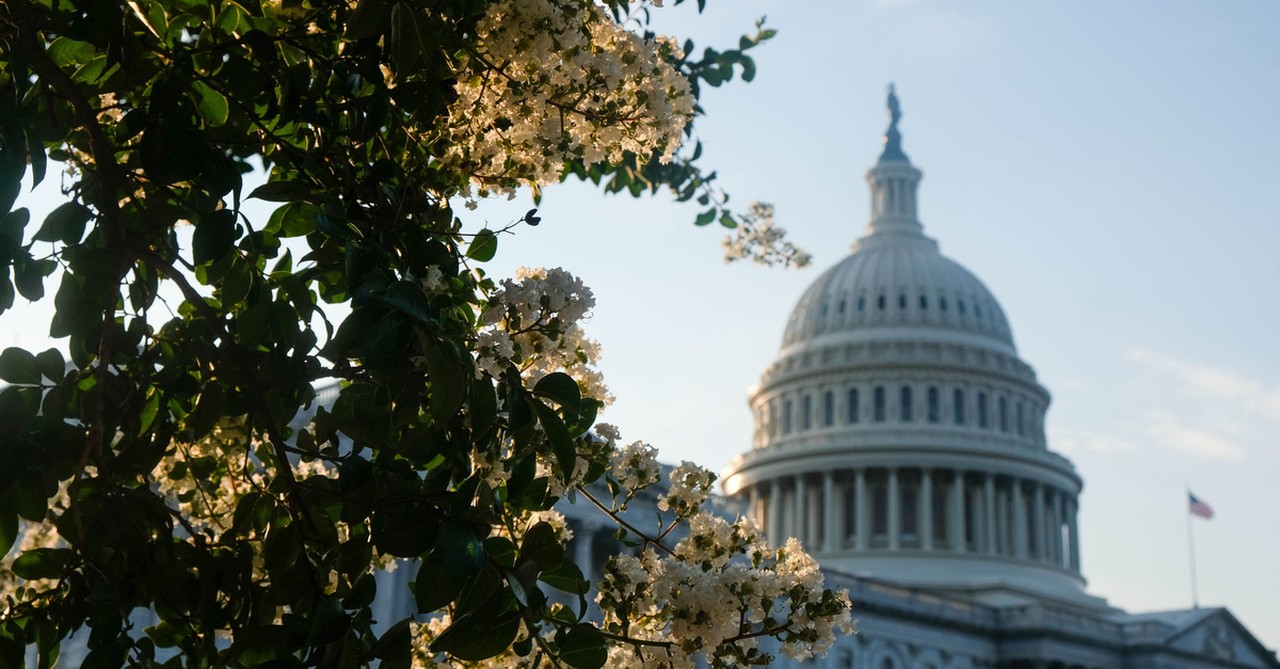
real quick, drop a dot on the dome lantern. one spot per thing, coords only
(893, 183)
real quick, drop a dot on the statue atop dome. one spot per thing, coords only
(893, 138)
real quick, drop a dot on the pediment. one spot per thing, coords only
(1219, 637)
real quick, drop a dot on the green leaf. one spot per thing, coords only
(214, 236)
(294, 219)
(541, 547)
(435, 586)
(583, 649)
(484, 246)
(562, 388)
(64, 224)
(705, 217)
(19, 366)
(567, 576)
(8, 529)
(561, 443)
(408, 297)
(211, 104)
(475, 637)
(459, 550)
(283, 191)
(369, 19)
(39, 563)
(444, 372)
(66, 51)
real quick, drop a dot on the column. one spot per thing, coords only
(894, 513)
(924, 517)
(1074, 533)
(1019, 520)
(955, 515)
(829, 512)
(1038, 513)
(753, 503)
(813, 530)
(1055, 527)
(798, 510)
(863, 520)
(773, 519)
(1002, 521)
(989, 512)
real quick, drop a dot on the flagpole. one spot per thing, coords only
(1191, 551)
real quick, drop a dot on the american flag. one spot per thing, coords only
(1199, 508)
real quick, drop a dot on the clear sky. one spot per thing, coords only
(1108, 169)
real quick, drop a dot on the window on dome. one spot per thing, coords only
(1004, 414)
(924, 302)
(853, 405)
(862, 302)
(878, 401)
(905, 404)
(902, 301)
(786, 417)
(942, 304)
(828, 408)
(842, 306)
(806, 415)
(960, 306)
(880, 302)
(934, 411)
(982, 410)
(1022, 428)
(957, 408)
(977, 310)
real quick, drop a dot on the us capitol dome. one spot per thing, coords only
(899, 434)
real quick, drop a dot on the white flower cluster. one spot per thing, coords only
(533, 321)
(635, 467)
(690, 488)
(759, 240)
(715, 596)
(555, 81)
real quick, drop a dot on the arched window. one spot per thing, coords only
(982, 410)
(828, 408)
(905, 405)
(862, 302)
(786, 416)
(806, 415)
(1004, 414)
(842, 305)
(1022, 428)
(942, 304)
(934, 410)
(924, 302)
(880, 302)
(854, 414)
(977, 310)
(957, 408)
(878, 401)
(960, 306)
(902, 301)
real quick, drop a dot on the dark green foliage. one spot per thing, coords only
(162, 107)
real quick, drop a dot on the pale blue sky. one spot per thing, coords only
(1108, 169)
